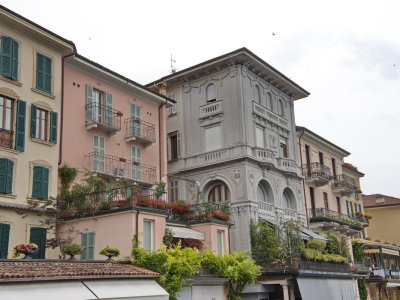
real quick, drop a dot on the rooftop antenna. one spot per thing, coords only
(173, 69)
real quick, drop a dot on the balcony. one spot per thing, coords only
(6, 138)
(287, 165)
(290, 213)
(211, 109)
(344, 185)
(270, 116)
(121, 167)
(329, 219)
(103, 117)
(140, 131)
(267, 157)
(318, 173)
(266, 208)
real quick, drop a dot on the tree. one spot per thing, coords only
(238, 268)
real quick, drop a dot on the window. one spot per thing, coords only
(350, 211)
(173, 191)
(99, 107)
(334, 167)
(4, 239)
(7, 108)
(148, 234)
(326, 204)
(6, 113)
(98, 153)
(219, 193)
(339, 205)
(87, 242)
(358, 207)
(43, 73)
(257, 95)
(281, 108)
(40, 186)
(9, 58)
(174, 145)
(321, 158)
(136, 113)
(6, 175)
(43, 124)
(213, 139)
(38, 236)
(220, 241)
(288, 199)
(211, 94)
(260, 141)
(312, 198)
(284, 152)
(270, 104)
(172, 111)
(136, 157)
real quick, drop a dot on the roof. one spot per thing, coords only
(300, 128)
(38, 26)
(245, 57)
(369, 201)
(25, 270)
(138, 85)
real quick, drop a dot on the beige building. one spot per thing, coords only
(30, 109)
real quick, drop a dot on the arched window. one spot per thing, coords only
(288, 199)
(211, 94)
(257, 95)
(281, 108)
(219, 193)
(264, 192)
(270, 104)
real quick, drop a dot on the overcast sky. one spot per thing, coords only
(345, 53)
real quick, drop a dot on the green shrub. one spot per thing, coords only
(71, 249)
(358, 253)
(316, 244)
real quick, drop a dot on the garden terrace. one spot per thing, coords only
(318, 173)
(296, 265)
(322, 217)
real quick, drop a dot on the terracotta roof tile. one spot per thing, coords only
(369, 201)
(12, 270)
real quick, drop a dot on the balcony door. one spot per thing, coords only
(312, 198)
(98, 153)
(136, 157)
(135, 120)
(308, 161)
(97, 106)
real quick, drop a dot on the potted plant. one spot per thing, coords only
(109, 252)
(104, 205)
(137, 121)
(71, 249)
(122, 159)
(26, 249)
(135, 163)
(119, 113)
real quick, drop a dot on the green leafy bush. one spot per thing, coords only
(316, 244)
(71, 249)
(358, 253)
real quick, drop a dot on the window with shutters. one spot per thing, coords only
(220, 242)
(136, 157)
(12, 123)
(173, 191)
(148, 234)
(174, 145)
(213, 138)
(40, 185)
(43, 124)
(98, 153)
(350, 211)
(326, 203)
(9, 53)
(283, 148)
(38, 236)
(6, 175)
(172, 110)
(4, 239)
(44, 70)
(88, 242)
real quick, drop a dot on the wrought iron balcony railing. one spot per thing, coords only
(6, 138)
(323, 214)
(139, 130)
(317, 169)
(121, 167)
(342, 181)
(104, 116)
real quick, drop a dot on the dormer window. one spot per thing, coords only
(211, 94)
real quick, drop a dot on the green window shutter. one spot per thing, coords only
(91, 236)
(45, 183)
(4, 238)
(37, 186)
(14, 65)
(87, 241)
(6, 56)
(84, 245)
(6, 175)
(33, 120)
(109, 116)
(20, 126)
(39, 71)
(53, 127)
(47, 74)
(89, 101)
(38, 236)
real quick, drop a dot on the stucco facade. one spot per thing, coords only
(235, 136)
(30, 109)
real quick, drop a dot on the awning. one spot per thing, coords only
(327, 288)
(184, 233)
(392, 284)
(384, 250)
(313, 235)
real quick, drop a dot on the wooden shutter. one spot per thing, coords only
(89, 101)
(9, 176)
(53, 127)
(6, 175)
(90, 246)
(6, 56)
(39, 71)
(14, 65)
(45, 183)
(84, 245)
(47, 74)
(38, 236)
(33, 120)
(135, 115)
(20, 126)
(109, 115)
(40, 185)
(4, 238)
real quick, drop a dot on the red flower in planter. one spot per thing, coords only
(220, 215)
(179, 207)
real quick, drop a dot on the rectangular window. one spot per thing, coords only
(260, 141)
(174, 145)
(98, 153)
(4, 239)
(350, 211)
(334, 167)
(213, 138)
(220, 241)
(312, 198)
(43, 124)
(136, 129)
(339, 206)
(148, 234)
(6, 122)
(9, 57)
(321, 158)
(283, 149)
(326, 204)
(97, 107)
(358, 207)
(87, 241)
(173, 191)
(40, 186)
(172, 111)
(43, 73)
(38, 236)
(136, 157)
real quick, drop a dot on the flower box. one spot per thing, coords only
(119, 113)
(137, 121)
(135, 163)
(122, 159)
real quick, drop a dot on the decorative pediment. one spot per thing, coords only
(8, 93)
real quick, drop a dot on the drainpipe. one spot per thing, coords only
(304, 182)
(62, 104)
